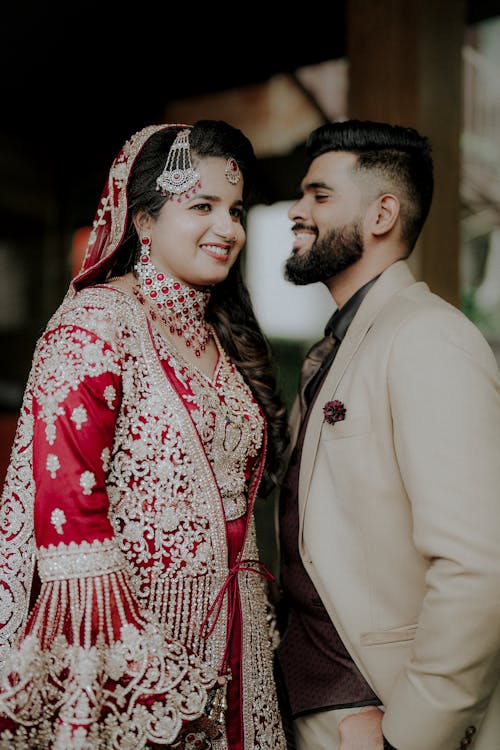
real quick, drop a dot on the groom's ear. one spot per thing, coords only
(383, 214)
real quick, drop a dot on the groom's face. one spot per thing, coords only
(327, 221)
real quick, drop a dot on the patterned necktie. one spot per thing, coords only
(316, 356)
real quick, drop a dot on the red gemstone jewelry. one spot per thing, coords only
(232, 171)
(180, 307)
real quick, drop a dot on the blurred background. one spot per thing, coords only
(78, 80)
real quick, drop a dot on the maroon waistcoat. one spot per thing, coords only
(316, 668)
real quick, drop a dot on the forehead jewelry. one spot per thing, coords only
(178, 175)
(232, 171)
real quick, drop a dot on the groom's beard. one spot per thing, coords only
(326, 257)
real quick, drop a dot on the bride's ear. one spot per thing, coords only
(142, 222)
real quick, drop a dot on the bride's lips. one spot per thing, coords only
(217, 251)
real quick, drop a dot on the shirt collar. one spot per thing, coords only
(341, 319)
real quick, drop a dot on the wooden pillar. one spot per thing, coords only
(405, 67)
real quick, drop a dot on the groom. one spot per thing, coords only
(390, 509)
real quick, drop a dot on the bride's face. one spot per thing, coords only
(196, 239)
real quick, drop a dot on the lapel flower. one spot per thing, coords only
(334, 411)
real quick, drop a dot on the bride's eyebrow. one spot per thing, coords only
(214, 198)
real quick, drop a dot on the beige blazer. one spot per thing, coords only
(400, 513)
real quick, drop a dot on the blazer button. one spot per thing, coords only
(470, 731)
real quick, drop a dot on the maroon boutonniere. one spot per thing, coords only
(334, 411)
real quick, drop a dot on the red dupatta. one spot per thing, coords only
(110, 221)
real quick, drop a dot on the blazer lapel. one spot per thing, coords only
(394, 279)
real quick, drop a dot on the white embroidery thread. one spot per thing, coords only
(58, 519)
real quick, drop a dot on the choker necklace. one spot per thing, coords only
(180, 307)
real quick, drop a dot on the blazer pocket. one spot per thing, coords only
(349, 427)
(396, 635)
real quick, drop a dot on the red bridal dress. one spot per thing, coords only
(129, 573)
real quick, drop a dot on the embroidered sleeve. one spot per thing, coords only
(75, 404)
(89, 668)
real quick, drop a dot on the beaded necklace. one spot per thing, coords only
(180, 307)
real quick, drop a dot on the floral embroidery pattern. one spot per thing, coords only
(334, 411)
(79, 416)
(110, 395)
(57, 519)
(87, 481)
(52, 464)
(105, 458)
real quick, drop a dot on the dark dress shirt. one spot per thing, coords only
(317, 671)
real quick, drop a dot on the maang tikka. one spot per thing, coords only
(178, 175)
